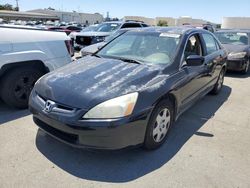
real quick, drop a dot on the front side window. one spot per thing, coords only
(210, 43)
(148, 48)
(193, 46)
(235, 38)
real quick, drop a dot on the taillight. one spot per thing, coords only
(69, 46)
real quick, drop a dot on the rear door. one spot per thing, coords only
(214, 56)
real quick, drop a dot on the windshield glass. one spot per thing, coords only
(107, 27)
(235, 38)
(149, 48)
(89, 28)
(114, 35)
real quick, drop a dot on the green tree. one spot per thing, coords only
(8, 7)
(162, 23)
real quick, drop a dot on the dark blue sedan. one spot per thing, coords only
(132, 91)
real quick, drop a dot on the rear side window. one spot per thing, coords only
(131, 25)
(210, 43)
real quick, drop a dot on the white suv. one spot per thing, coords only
(26, 55)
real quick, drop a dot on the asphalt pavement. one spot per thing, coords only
(209, 146)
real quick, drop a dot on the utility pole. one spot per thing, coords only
(17, 5)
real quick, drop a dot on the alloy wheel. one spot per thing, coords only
(221, 80)
(247, 67)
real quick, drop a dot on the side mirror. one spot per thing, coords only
(194, 60)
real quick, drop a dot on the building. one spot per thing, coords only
(149, 21)
(189, 20)
(235, 23)
(83, 18)
(26, 16)
(171, 21)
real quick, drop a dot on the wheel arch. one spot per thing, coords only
(172, 98)
(37, 64)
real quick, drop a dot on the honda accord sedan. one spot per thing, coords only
(132, 91)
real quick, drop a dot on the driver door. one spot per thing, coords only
(196, 75)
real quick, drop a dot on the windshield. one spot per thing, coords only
(235, 38)
(107, 27)
(89, 28)
(114, 35)
(145, 47)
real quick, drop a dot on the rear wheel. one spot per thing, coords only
(17, 85)
(159, 125)
(219, 83)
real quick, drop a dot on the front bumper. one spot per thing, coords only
(102, 134)
(236, 65)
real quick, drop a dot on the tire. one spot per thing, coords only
(217, 87)
(245, 71)
(17, 84)
(158, 127)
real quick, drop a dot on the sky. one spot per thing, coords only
(213, 10)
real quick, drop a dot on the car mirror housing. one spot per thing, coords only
(194, 60)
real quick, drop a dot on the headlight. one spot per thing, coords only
(118, 107)
(237, 55)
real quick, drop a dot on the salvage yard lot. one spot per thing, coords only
(207, 147)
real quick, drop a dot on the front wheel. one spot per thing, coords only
(217, 88)
(17, 85)
(245, 71)
(159, 125)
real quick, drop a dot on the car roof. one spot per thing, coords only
(233, 30)
(122, 22)
(176, 30)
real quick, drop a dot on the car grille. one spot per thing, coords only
(83, 40)
(58, 108)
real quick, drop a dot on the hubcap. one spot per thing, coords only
(24, 86)
(221, 80)
(247, 67)
(161, 125)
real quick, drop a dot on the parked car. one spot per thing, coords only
(27, 54)
(237, 43)
(73, 28)
(132, 90)
(67, 31)
(95, 47)
(83, 39)
(208, 27)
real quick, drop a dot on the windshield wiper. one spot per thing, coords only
(96, 55)
(130, 60)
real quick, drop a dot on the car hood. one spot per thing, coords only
(93, 33)
(236, 48)
(91, 80)
(92, 48)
